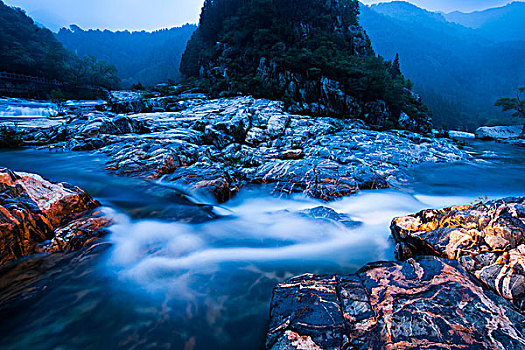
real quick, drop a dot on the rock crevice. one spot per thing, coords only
(426, 302)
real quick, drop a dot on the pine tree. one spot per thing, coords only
(395, 70)
(515, 104)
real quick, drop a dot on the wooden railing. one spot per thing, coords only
(14, 77)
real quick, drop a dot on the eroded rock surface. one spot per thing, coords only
(39, 216)
(219, 146)
(499, 132)
(488, 239)
(423, 303)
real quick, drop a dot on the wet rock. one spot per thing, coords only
(453, 134)
(203, 179)
(245, 141)
(34, 211)
(328, 215)
(424, 303)
(325, 179)
(292, 154)
(499, 132)
(487, 238)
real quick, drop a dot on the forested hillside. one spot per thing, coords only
(459, 71)
(505, 23)
(28, 49)
(148, 58)
(312, 54)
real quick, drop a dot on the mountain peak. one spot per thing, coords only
(406, 11)
(513, 12)
(311, 54)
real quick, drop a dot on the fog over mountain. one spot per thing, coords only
(500, 24)
(157, 14)
(148, 58)
(451, 5)
(459, 62)
(459, 71)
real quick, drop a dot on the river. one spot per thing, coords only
(176, 273)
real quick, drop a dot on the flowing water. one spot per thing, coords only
(32, 114)
(179, 274)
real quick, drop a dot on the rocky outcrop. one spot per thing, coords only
(219, 146)
(488, 239)
(39, 216)
(317, 59)
(423, 303)
(499, 132)
(328, 97)
(460, 284)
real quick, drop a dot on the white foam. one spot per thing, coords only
(260, 229)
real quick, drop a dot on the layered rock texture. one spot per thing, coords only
(488, 239)
(39, 216)
(500, 132)
(424, 303)
(216, 147)
(460, 284)
(312, 54)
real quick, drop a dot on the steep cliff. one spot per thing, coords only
(312, 54)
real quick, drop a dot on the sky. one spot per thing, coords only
(156, 14)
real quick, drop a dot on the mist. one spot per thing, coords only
(150, 15)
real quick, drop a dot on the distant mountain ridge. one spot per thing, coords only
(145, 57)
(501, 23)
(459, 71)
(27, 49)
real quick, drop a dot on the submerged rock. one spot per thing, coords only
(328, 215)
(488, 239)
(424, 303)
(39, 216)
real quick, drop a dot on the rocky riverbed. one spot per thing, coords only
(457, 283)
(217, 147)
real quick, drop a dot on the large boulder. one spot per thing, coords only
(488, 239)
(424, 303)
(37, 215)
(499, 132)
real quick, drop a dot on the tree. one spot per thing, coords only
(515, 104)
(395, 70)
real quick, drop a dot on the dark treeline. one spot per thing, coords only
(460, 72)
(28, 49)
(148, 58)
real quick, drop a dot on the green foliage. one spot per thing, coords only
(28, 49)
(459, 72)
(311, 38)
(149, 58)
(57, 96)
(515, 104)
(138, 86)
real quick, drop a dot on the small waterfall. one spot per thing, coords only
(16, 108)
